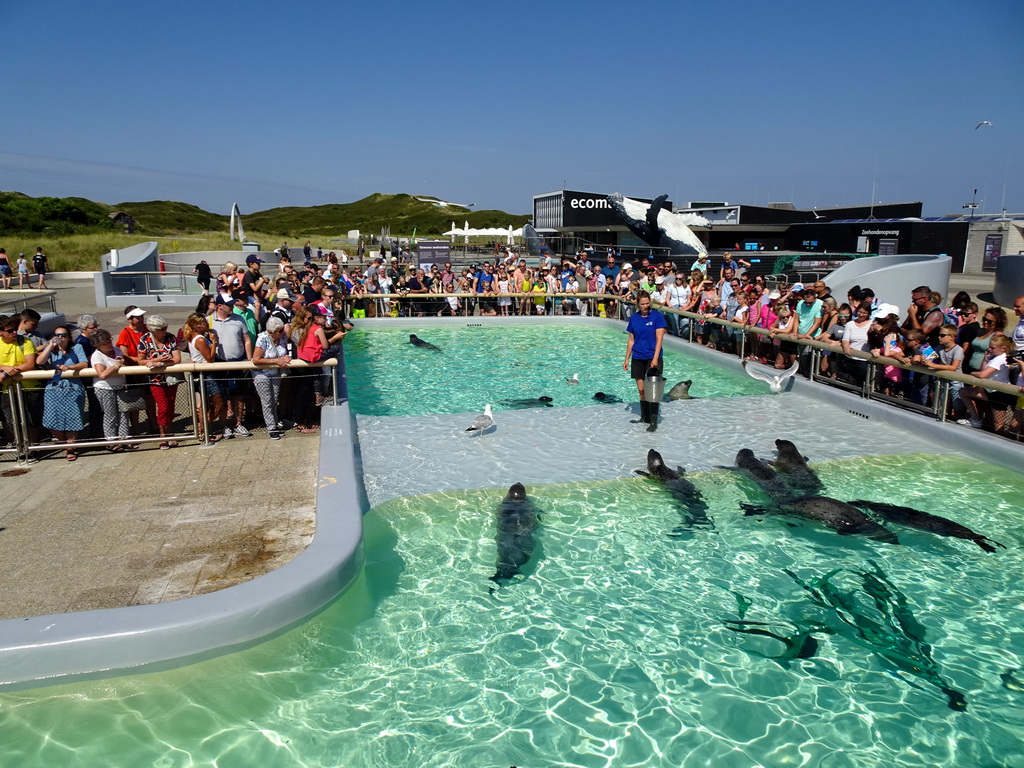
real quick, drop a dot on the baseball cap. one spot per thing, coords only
(284, 293)
(222, 299)
(252, 258)
(137, 312)
(775, 295)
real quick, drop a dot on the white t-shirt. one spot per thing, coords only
(111, 382)
(1002, 373)
(679, 295)
(857, 337)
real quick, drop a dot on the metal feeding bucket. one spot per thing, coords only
(654, 388)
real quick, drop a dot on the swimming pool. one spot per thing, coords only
(478, 364)
(614, 650)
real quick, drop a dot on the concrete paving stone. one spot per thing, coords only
(113, 596)
(133, 528)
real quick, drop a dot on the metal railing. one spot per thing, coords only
(42, 302)
(436, 304)
(128, 283)
(811, 352)
(24, 433)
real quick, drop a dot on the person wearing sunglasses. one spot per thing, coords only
(63, 398)
(993, 321)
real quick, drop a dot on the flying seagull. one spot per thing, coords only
(574, 380)
(775, 381)
(483, 421)
(983, 122)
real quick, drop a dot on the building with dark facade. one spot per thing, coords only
(973, 242)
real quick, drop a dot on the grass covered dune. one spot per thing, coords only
(75, 232)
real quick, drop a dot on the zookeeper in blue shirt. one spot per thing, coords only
(646, 329)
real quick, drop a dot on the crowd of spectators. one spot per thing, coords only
(249, 312)
(245, 319)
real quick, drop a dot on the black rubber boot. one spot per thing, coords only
(653, 409)
(645, 414)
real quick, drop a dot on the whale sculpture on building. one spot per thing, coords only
(659, 227)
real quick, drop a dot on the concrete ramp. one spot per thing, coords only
(893, 278)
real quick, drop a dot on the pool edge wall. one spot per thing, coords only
(58, 647)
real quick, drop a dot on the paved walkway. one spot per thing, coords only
(114, 530)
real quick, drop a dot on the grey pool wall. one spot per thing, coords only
(45, 649)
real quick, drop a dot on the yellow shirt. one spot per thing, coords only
(14, 354)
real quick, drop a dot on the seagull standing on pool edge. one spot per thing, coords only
(483, 421)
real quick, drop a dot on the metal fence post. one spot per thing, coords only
(941, 404)
(19, 417)
(203, 409)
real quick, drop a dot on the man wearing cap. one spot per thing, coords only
(284, 308)
(700, 264)
(254, 283)
(128, 342)
(644, 357)
(232, 345)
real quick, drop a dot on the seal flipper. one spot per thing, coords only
(643, 472)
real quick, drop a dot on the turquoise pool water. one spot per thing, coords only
(612, 651)
(388, 376)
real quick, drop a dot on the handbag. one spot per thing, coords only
(130, 399)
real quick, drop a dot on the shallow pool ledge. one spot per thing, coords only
(44, 649)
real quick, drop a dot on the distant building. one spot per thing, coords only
(572, 218)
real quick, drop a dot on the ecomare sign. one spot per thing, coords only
(589, 202)
(590, 210)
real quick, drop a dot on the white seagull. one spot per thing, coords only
(483, 421)
(775, 381)
(983, 122)
(574, 380)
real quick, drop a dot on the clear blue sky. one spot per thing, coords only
(303, 103)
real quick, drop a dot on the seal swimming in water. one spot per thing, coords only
(529, 402)
(418, 342)
(845, 519)
(793, 466)
(607, 399)
(766, 477)
(802, 645)
(924, 521)
(681, 391)
(517, 519)
(694, 506)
